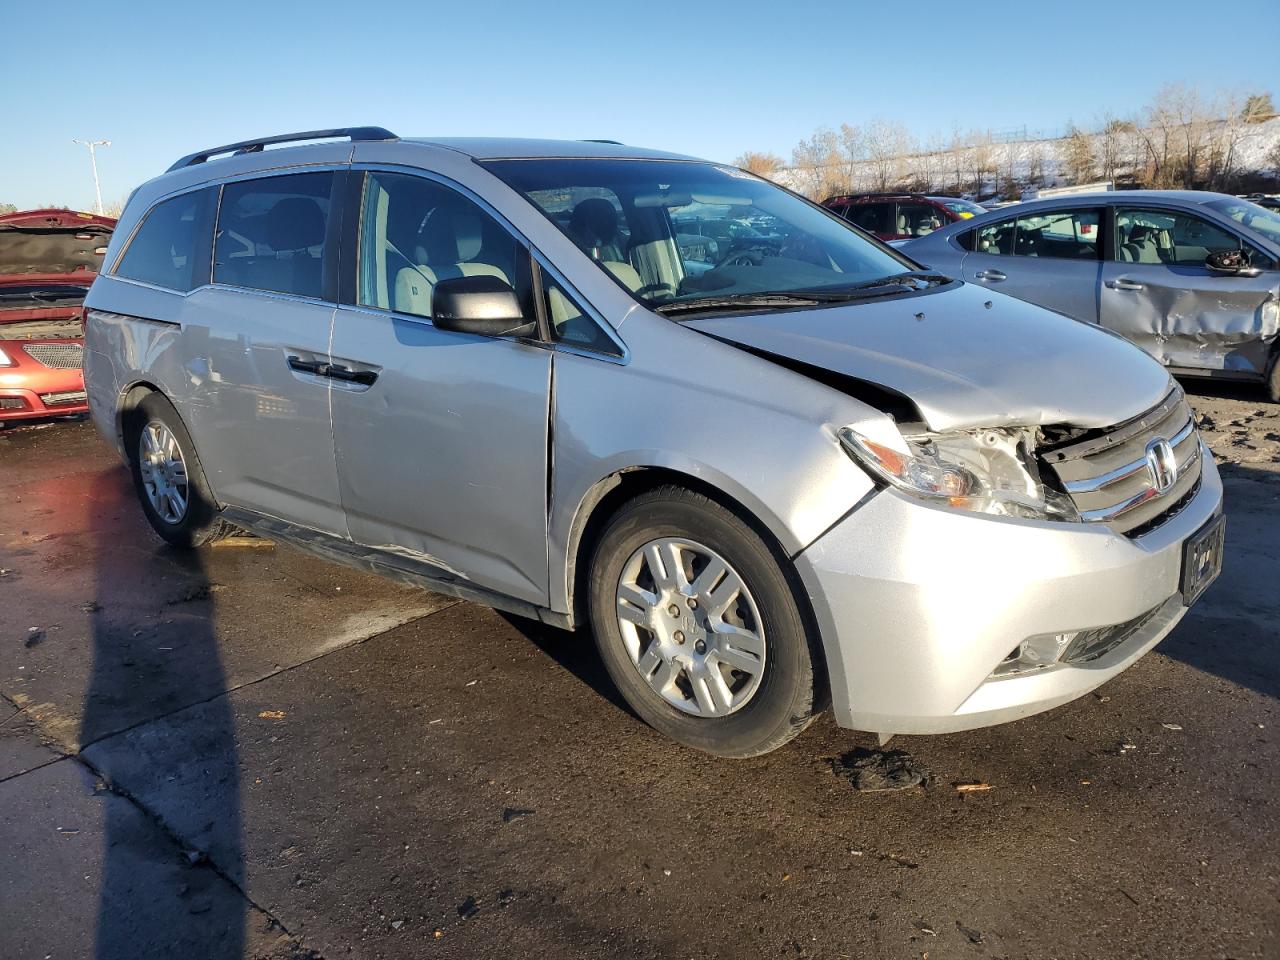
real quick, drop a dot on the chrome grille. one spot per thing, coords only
(66, 396)
(1107, 475)
(59, 356)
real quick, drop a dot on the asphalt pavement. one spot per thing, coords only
(247, 752)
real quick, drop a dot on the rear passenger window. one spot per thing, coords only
(995, 238)
(871, 217)
(271, 233)
(415, 232)
(919, 219)
(172, 240)
(1063, 235)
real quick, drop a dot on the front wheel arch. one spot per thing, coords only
(609, 494)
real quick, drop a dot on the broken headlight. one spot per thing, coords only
(987, 471)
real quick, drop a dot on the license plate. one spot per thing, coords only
(1202, 558)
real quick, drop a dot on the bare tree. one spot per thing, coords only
(1221, 152)
(1035, 163)
(817, 164)
(978, 155)
(887, 145)
(956, 153)
(1075, 155)
(762, 164)
(8, 208)
(1273, 158)
(852, 153)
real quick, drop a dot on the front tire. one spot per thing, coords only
(168, 478)
(700, 627)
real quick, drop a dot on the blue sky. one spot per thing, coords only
(711, 79)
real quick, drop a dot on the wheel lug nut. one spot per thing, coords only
(700, 646)
(693, 603)
(679, 637)
(673, 610)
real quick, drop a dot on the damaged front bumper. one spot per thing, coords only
(41, 379)
(923, 610)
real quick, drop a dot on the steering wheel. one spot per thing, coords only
(741, 255)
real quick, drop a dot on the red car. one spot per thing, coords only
(901, 216)
(48, 259)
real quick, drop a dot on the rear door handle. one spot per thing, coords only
(338, 372)
(307, 366)
(1122, 283)
(995, 276)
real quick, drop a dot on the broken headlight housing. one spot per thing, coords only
(989, 471)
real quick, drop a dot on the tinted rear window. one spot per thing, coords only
(172, 241)
(271, 233)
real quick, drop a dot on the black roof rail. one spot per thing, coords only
(256, 146)
(616, 143)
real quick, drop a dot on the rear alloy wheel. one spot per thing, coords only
(164, 472)
(699, 624)
(167, 475)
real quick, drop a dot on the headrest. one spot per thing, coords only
(295, 223)
(450, 234)
(594, 222)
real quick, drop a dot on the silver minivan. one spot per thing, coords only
(772, 471)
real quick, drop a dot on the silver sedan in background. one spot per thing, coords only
(1193, 278)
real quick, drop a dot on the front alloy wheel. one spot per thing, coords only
(691, 627)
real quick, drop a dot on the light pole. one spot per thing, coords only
(93, 159)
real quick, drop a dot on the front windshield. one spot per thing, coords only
(1256, 218)
(673, 231)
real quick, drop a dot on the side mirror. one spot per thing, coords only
(1230, 263)
(483, 305)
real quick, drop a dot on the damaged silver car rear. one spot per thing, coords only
(773, 471)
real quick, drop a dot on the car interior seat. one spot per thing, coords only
(593, 226)
(294, 229)
(451, 243)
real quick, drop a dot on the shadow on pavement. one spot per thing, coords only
(138, 654)
(575, 652)
(1231, 632)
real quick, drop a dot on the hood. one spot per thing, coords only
(53, 243)
(967, 358)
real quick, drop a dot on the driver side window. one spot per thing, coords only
(1171, 237)
(415, 232)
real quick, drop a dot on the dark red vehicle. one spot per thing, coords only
(48, 259)
(901, 216)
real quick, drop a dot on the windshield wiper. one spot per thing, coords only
(902, 279)
(880, 286)
(740, 301)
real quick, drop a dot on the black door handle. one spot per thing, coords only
(307, 366)
(338, 372)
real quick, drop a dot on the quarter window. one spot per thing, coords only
(1169, 237)
(416, 232)
(271, 233)
(172, 240)
(570, 324)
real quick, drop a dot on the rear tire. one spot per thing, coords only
(168, 478)
(655, 664)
